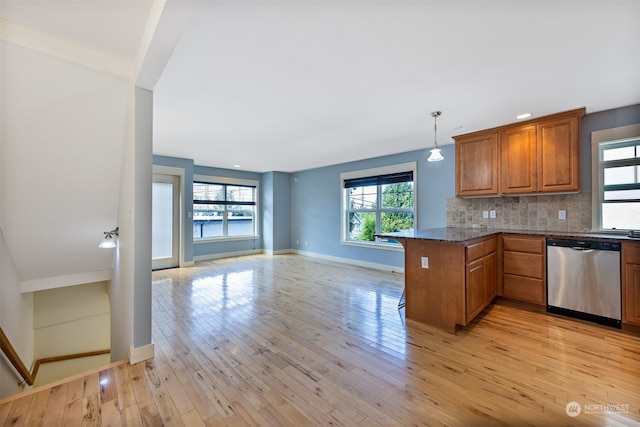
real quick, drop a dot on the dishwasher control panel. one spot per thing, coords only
(584, 244)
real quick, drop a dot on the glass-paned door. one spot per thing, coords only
(165, 222)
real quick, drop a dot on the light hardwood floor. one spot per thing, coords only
(295, 341)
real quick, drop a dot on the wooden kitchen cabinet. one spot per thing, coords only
(524, 268)
(480, 277)
(459, 283)
(518, 160)
(477, 165)
(532, 157)
(558, 154)
(631, 283)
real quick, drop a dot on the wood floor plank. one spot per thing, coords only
(294, 341)
(140, 386)
(91, 413)
(108, 386)
(54, 414)
(5, 409)
(19, 411)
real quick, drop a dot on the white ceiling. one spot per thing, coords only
(292, 85)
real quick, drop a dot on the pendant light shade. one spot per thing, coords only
(436, 154)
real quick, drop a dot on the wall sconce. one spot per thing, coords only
(435, 155)
(109, 240)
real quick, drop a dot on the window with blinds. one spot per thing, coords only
(223, 210)
(378, 203)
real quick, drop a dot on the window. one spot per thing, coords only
(224, 210)
(617, 200)
(377, 201)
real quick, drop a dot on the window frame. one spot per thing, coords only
(372, 172)
(226, 181)
(600, 140)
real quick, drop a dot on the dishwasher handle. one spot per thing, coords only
(581, 249)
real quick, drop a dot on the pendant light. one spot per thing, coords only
(435, 155)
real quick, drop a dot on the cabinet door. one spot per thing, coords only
(631, 293)
(477, 165)
(518, 160)
(475, 292)
(490, 277)
(559, 155)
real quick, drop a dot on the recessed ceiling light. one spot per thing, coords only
(236, 166)
(523, 116)
(457, 127)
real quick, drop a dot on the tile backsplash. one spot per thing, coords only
(523, 212)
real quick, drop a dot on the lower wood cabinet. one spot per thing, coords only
(524, 268)
(480, 277)
(631, 283)
(458, 281)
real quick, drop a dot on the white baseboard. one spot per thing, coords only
(138, 354)
(227, 255)
(376, 266)
(278, 252)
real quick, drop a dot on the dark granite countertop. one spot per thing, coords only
(463, 234)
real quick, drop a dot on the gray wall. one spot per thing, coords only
(275, 205)
(316, 205)
(282, 211)
(608, 119)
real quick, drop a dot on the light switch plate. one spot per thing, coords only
(425, 262)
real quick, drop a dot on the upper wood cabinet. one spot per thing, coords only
(477, 165)
(518, 160)
(559, 154)
(537, 156)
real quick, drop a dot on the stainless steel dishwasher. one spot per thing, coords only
(583, 280)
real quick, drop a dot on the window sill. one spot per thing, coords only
(224, 239)
(385, 246)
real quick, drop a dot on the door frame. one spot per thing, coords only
(179, 174)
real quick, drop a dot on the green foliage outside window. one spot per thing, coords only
(393, 196)
(397, 196)
(368, 228)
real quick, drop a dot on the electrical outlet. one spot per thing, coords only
(492, 214)
(562, 214)
(425, 262)
(485, 214)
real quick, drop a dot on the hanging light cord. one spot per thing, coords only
(435, 115)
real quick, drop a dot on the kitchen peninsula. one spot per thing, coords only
(452, 274)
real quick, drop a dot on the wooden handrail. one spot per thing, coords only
(29, 378)
(13, 357)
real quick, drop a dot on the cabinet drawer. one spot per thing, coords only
(475, 251)
(490, 246)
(524, 264)
(478, 250)
(525, 289)
(534, 245)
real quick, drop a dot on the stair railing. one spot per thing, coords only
(29, 377)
